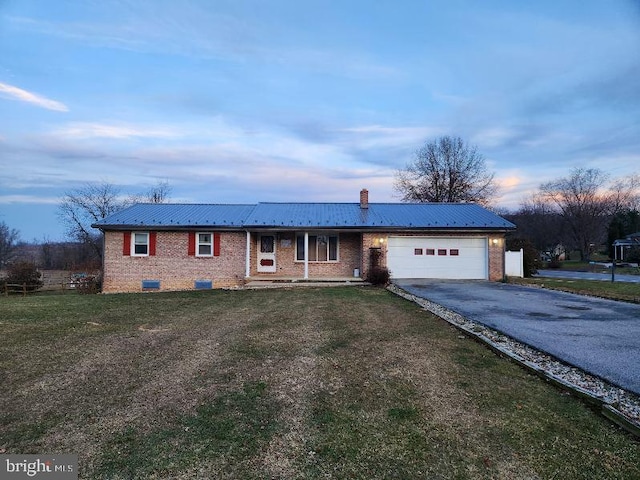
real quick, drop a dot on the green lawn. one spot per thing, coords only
(628, 292)
(289, 383)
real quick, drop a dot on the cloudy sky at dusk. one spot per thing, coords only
(243, 101)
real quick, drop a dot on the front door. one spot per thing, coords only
(267, 253)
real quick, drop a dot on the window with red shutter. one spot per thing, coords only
(140, 244)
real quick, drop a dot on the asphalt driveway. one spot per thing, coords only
(599, 336)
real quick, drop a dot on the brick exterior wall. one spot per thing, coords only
(176, 270)
(172, 265)
(496, 257)
(373, 241)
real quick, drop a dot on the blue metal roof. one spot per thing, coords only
(387, 215)
(308, 215)
(167, 215)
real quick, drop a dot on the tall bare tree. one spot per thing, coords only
(83, 206)
(446, 170)
(8, 242)
(587, 201)
(159, 193)
(625, 194)
(538, 221)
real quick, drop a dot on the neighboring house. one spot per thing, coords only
(179, 246)
(623, 247)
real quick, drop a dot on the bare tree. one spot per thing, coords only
(625, 194)
(585, 204)
(159, 193)
(539, 222)
(446, 170)
(83, 206)
(8, 242)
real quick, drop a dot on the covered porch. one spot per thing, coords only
(291, 256)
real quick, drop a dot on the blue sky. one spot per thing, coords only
(287, 100)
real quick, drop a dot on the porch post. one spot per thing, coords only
(247, 263)
(306, 255)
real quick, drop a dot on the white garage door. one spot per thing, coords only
(437, 257)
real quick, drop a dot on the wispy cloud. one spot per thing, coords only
(374, 136)
(15, 93)
(190, 30)
(30, 199)
(84, 130)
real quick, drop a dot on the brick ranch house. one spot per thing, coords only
(188, 246)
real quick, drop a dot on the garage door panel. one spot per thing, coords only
(405, 262)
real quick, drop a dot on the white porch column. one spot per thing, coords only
(306, 255)
(247, 264)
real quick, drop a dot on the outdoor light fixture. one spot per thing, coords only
(495, 241)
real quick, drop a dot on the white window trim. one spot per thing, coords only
(337, 260)
(133, 244)
(198, 243)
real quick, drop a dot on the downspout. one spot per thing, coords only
(247, 262)
(306, 255)
(104, 262)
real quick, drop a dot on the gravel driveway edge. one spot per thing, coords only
(618, 405)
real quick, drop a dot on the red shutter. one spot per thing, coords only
(152, 242)
(216, 244)
(126, 244)
(192, 243)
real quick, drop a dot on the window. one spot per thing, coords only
(454, 252)
(205, 245)
(430, 251)
(417, 251)
(322, 248)
(442, 251)
(140, 244)
(267, 244)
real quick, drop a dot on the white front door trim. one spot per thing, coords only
(267, 253)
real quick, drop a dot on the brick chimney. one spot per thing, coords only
(364, 198)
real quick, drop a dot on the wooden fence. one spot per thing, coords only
(52, 281)
(24, 289)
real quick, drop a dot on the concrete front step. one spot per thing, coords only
(265, 282)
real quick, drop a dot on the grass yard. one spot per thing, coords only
(288, 384)
(584, 266)
(627, 292)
